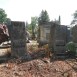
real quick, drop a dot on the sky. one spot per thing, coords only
(23, 10)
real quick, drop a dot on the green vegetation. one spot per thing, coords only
(44, 17)
(71, 48)
(28, 27)
(75, 15)
(34, 23)
(33, 26)
(74, 18)
(3, 16)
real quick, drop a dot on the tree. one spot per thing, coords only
(3, 15)
(44, 17)
(28, 27)
(34, 22)
(74, 21)
(75, 15)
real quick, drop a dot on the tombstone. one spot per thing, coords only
(18, 38)
(58, 38)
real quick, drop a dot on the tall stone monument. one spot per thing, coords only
(18, 38)
(58, 38)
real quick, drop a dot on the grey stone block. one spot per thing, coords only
(18, 38)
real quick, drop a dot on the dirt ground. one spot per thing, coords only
(39, 66)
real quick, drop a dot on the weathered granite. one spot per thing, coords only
(18, 38)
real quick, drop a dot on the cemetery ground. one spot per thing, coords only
(39, 65)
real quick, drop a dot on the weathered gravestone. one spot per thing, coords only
(58, 38)
(18, 38)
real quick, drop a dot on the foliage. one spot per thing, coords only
(8, 19)
(28, 27)
(3, 15)
(34, 23)
(75, 15)
(71, 47)
(74, 33)
(44, 17)
(74, 18)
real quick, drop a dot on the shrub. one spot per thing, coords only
(71, 48)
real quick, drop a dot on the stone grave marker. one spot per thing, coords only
(18, 38)
(58, 38)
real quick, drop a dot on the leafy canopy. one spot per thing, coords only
(75, 15)
(44, 17)
(3, 15)
(34, 22)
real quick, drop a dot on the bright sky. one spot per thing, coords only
(23, 10)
